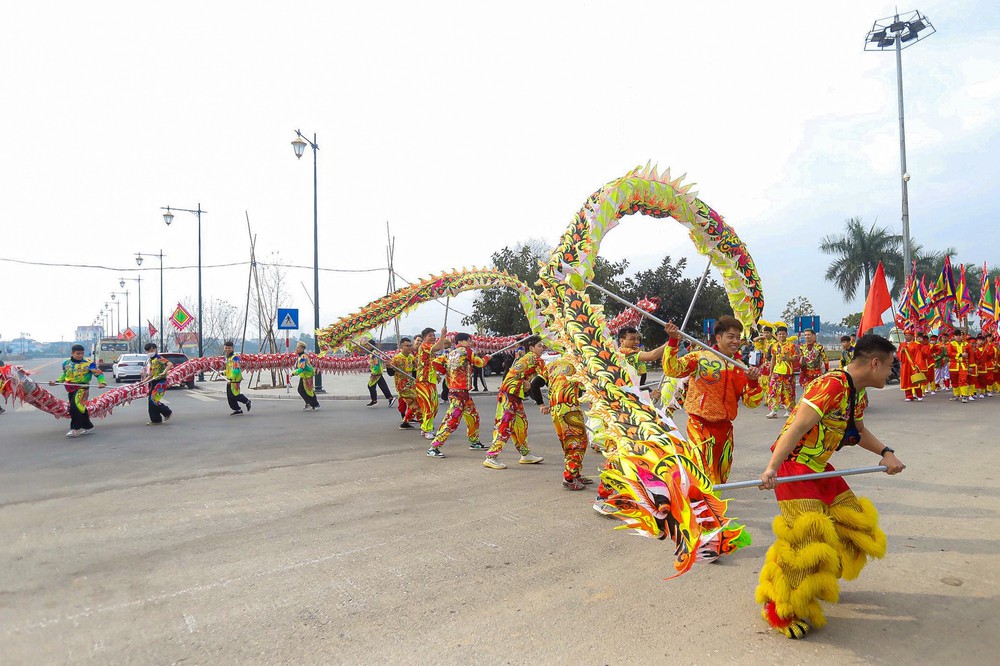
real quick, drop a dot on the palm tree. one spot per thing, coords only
(858, 251)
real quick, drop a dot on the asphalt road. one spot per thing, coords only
(285, 536)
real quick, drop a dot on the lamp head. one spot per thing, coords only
(906, 177)
(121, 282)
(112, 295)
(168, 217)
(138, 259)
(299, 146)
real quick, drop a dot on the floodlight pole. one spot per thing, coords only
(904, 175)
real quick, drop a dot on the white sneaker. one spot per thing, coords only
(73, 433)
(493, 463)
(772, 414)
(530, 459)
(787, 414)
(972, 398)
(920, 399)
(427, 435)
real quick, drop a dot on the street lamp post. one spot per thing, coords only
(168, 217)
(138, 261)
(299, 146)
(138, 281)
(125, 294)
(897, 33)
(111, 317)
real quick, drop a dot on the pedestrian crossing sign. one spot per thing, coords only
(288, 319)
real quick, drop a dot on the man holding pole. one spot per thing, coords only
(77, 372)
(714, 393)
(425, 389)
(306, 372)
(824, 532)
(458, 371)
(403, 368)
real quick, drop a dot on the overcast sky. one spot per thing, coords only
(468, 126)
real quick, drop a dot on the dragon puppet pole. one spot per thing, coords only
(684, 335)
(384, 356)
(513, 344)
(694, 299)
(447, 309)
(755, 483)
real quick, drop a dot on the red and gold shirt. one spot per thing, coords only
(716, 387)
(956, 359)
(829, 396)
(425, 364)
(564, 389)
(814, 357)
(458, 367)
(521, 374)
(783, 353)
(408, 364)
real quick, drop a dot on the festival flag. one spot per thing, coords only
(987, 307)
(878, 301)
(944, 290)
(963, 302)
(128, 334)
(152, 329)
(181, 318)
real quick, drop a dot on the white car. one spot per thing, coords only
(129, 367)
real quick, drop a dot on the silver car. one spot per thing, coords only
(129, 368)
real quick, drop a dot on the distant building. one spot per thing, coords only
(89, 332)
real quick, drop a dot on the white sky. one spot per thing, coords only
(468, 126)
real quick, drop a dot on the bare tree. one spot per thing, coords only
(223, 321)
(271, 294)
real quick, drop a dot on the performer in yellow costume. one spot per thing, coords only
(458, 366)
(824, 531)
(77, 372)
(564, 406)
(305, 371)
(234, 376)
(510, 418)
(425, 389)
(781, 387)
(403, 368)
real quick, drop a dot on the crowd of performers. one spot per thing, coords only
(823, 531)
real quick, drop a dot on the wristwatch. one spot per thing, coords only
(885, 451)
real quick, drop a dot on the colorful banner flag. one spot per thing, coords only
(987, 301)
(963, 302)
(944, 290)
(181, 318)
(128, 334)
(152, 329)
(878, 302)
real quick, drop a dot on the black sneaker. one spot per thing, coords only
(249, 402)
(392, 400)
(236, 411)
(372, 403)
(477, 446)
(405, 426)
(434, 453)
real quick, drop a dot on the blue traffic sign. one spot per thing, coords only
(708, 326)
(288, 319)
(807, 321)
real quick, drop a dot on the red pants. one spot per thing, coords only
(715, 441)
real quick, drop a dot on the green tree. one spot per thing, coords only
(858, 252)
(852, 320)
(499, 312)
(675, 295)
(797, 307)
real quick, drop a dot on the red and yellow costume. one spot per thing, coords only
(458, 368)
(405, 386)
(510, 418)
(912, 361)
(958, 367)
(824, 532)
(425, 388)
(564, 405)
(781, 387)
(713, 396)
(814, 362)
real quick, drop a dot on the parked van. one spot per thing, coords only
(107, 351)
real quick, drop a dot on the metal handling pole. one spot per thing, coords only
(755, 483)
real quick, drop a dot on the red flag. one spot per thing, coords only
(152, 329)
(878, 302)
(129, 334)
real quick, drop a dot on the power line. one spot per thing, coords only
(176, 268)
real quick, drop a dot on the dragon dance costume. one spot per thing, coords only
(425, 388)
(77, 375)
(564, 407)
(405, 386)
(814, 362)
(824, 532)
(458, 368)
(781, 387)
(157, 369)
(234, 375)
(306, 373)
(511, 420)
(714, 392)
(376, 378)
